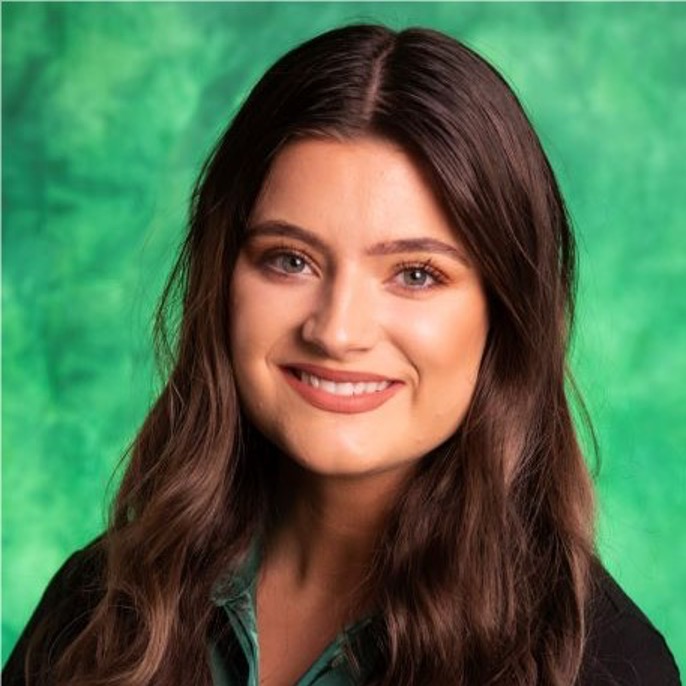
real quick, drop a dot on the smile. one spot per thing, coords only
(346, 388)
(347, 393)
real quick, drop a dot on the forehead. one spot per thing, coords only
(364, 188)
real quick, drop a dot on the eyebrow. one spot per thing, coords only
(403, 245)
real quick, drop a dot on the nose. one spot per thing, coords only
(343, 319)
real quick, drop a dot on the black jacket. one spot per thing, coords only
(623, 647)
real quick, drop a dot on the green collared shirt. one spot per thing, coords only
(236, 663)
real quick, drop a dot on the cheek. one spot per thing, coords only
(250, 319)
(262, 315)
(452, 337)
(445, 346)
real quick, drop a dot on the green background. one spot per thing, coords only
(108, 111)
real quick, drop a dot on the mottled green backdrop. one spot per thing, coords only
(108, 111)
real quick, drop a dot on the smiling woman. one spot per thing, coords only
(350, 296)
(363, 467)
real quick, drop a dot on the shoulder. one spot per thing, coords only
(623, 647)
(79, 579)
(63, 610)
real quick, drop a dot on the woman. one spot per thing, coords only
(364, 454)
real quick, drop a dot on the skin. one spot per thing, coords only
(336, 291)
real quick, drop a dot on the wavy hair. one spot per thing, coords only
(481, 574)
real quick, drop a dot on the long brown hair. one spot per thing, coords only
(485, 558)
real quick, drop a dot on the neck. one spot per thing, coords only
(326, 527)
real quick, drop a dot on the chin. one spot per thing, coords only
(334, 465)
(345, 463)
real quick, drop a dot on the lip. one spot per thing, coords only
(352, 404)
(337, 374)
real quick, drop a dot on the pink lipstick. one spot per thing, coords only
(340, 391)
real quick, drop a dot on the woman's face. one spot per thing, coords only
(357, 321)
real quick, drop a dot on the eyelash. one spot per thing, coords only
(427, 266)
(438, 277)
(267, 259)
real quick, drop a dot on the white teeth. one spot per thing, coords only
(346, 388)
(328, 386)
